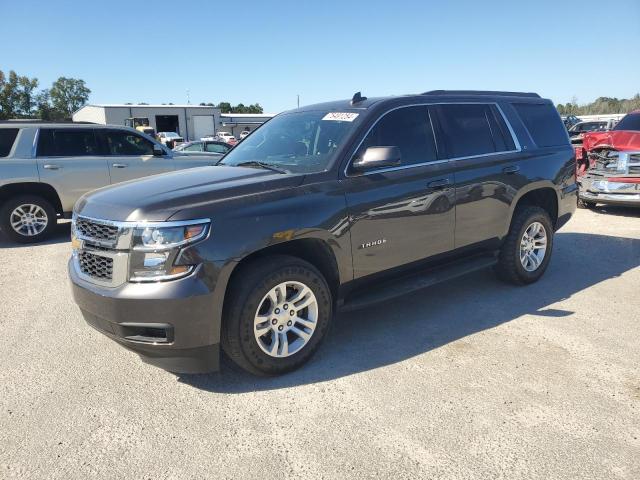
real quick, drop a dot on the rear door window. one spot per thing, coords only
(409, 129)
(216, 148)
(543, 122)
(474, 129)
(70, 142)
(119, 142)
(7, 137)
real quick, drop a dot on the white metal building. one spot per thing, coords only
(236, 123)
(189, 121)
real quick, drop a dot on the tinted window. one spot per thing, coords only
(126, 143)
(195, 147)
(72, 142)
(474, 130)
(407, 128)
(629, 122)
(216, 148)
(543, 123)
(7, 137)
(501, 134)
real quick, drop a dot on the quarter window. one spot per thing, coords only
(71, 142)
(7, 137)
(474, 129)
(543, 122)
(409, 129)
(127, 143)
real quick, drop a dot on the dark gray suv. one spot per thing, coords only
(326, 207)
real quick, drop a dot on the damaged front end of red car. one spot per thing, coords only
(608, 165)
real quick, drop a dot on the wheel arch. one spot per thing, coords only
(316, 251)
(543, 194)
(44, 190)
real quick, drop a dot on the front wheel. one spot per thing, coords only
(27, 219)
(526, 252)
(277, 313)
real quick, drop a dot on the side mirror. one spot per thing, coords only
(157, 151)
(377, 157)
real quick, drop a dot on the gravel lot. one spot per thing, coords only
(470, 379)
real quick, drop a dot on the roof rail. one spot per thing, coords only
(35, 120)
(482, 92)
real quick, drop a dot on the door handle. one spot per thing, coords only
(51, 166)
(511, 169)
(119, 165)
(438, 184)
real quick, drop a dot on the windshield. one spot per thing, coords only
(299, 142)
(629, 122)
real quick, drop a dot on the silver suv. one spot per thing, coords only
(45, 168)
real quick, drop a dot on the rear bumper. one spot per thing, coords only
(598, 189)
(173, 325)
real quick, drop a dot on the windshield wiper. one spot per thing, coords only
(268, 166)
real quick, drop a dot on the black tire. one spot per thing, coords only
(10, 205)
(246, 292)
(509, 267)
(586, 204)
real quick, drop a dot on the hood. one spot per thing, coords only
(158, 197)
(623, 140)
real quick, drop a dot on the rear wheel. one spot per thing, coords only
(27, 219)
(277, 313)
(526, 252)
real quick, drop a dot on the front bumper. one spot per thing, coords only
(174, 325)
(599, 189)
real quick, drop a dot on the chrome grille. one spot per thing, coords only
(605, 161)
(96, 231)
(95, 266)
(611, 162)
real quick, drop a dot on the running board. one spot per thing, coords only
(392, 289)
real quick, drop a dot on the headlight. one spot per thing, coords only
(156, 249)
(164, 238)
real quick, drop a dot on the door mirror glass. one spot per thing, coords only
(157, 151)
(377, 157)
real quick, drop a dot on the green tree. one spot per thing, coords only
(44, 110)
(600, 106)
(26, 96)
(225, 107)
(17, 95)
(68, 95)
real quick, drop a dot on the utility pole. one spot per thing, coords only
(188, 97)
(298, 100)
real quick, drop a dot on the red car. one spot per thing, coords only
(608, 164)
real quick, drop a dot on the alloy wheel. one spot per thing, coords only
(28, 219)
(533, 247)
(286, 319)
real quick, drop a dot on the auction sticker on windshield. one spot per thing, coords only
(341, 116)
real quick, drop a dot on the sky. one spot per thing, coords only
(270, 51)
